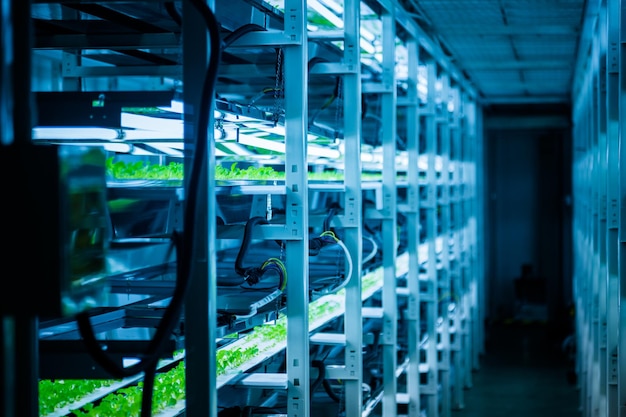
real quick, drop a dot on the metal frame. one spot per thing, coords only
(458, 270)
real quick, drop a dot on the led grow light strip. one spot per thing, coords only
(276, 146)
(155, 126)
(75, 133)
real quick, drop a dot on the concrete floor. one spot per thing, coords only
(524, 372)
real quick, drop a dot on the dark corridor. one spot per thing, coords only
(526, 371)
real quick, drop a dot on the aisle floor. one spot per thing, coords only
(524, 372)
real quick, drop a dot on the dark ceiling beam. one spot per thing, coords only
(508, 99)
(511, 30)
(529, 64)
(109, 41)
(526, 122)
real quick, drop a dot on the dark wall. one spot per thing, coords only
(528, 180)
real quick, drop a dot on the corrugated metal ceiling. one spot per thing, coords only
(520, 51)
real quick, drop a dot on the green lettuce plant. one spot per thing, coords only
(122, 170)
(169, 388)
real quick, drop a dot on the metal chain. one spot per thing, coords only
(278, 88)
(341, 410)
(339, 102)
(282, 251)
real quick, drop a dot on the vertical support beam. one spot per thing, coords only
(477, 220)
(622, 217)
(297, 216)
(8, 370)
(595, 180)
(460, 257)
(24, 110)
(601, 183)
(352, 207)
(412, 216)
(7, 71)
(389, 217)
(200, 346)
(471, 141)
(442, 235)
(587, 295)
(613, 196)
(70, 60)
(8, 353)
(430, 206)
(466, 155)
(583, 231)
(19, 381)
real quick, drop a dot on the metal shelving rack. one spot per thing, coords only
(441, 266)
(389, 216)
(598, 223)
(429, 207)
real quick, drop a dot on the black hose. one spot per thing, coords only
(148, 389)
(183, 241)
(240, 31)
(331, 213)
(330, 392)
(170, 7)
(321, 375)
(247, 237)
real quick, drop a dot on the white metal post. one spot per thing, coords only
(389, 217)
(613, 195)
(352, 207)
(297, 217)
(412, 214)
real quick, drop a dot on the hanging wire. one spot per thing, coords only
(331, 235)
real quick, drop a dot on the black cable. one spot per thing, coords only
(321, 375)
(240, 31)
(170, 7)
(183, 241)
(329, 390)
(314, 61)
(230, 412)
(148, 390)
(250, 410)
(331, 213)
(253, 273)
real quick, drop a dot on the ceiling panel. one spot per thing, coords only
(520, 51)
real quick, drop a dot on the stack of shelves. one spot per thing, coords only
(336, 263)
(598, 222)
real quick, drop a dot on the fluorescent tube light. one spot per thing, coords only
(76, 133)
(176, 106)
(326, 13)
(172, 128)
(323, 152)
(257, 142)
(169, 148)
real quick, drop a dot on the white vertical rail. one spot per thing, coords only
(459, 266)
(475, 136)
(602, 212)
(583, 235)
(412, 215)
(622, 217)
(389, 217)
(590, 304)
(444, 274)
(352, 208)
(296, 221)
(466, 193)
(480, 184)
(595, 182)
(613, 195)
(586, 265)
(430, 205)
